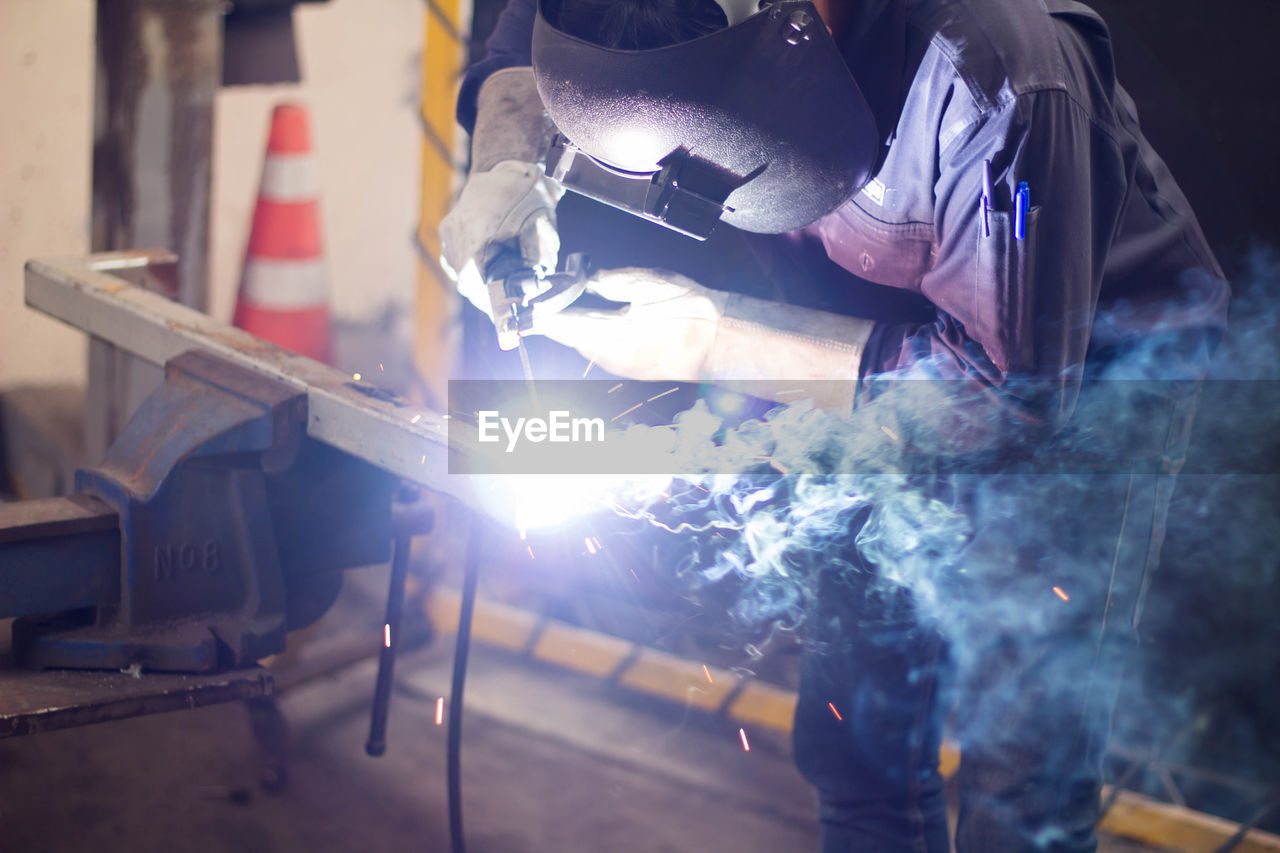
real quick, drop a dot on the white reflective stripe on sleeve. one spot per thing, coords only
(290, 178)
(285, 285)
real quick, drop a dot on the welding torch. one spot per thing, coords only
(520, 294)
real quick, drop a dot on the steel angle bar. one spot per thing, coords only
(355, 417)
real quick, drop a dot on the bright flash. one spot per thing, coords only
(532, 501)
(726, 403)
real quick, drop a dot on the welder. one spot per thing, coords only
(979, 153)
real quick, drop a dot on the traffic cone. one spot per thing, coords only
(284, 288)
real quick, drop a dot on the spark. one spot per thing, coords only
(615, 388)
(415, 419)
(440, 711)
(424, 459)
(707, 673)
(1057, 590)
(386, 635)
(591, 548)
(634, 575)
(599, 547)
(628, 411)
(381, 368)
(832, 706)
(522, 533)
(663, 394)
(355, 376)
(590, 364)
(889, 432)
(530, 550)
(781, 468)
(742, 733)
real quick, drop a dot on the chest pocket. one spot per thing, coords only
(1004, 291)
(892, 254)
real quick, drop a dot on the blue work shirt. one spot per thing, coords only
(1112, 255)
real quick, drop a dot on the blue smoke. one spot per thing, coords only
(1009, 554)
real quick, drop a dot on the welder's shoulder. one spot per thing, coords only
(1001, 50)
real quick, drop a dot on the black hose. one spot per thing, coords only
(470, 576)
(377, 743)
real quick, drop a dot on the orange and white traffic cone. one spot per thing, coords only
(284, 289)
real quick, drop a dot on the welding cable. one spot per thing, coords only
(463, 646)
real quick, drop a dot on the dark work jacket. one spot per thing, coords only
(1113, 256)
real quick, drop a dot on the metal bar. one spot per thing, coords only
(1196, 773)
(37, 519)
(1234, 841)
(57, 554)
(34, 702)
(357, 418)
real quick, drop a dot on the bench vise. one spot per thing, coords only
(213, 526)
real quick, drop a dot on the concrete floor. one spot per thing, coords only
(549, 764)
(552, 762)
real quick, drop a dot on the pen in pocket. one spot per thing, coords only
(988, 194)
(1021, 206)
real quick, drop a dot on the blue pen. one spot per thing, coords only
(988, 198)
(1021, 205)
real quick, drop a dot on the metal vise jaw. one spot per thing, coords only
(234, 527)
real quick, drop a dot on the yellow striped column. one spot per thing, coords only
(444, 56)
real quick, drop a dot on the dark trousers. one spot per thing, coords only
(1019, 645)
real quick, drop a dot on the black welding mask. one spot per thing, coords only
(759, 124)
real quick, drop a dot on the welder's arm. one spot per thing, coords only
(507, 201)
(508, 46)
(671, 327)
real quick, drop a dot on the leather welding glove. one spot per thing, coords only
(507, 200)
(671, 327)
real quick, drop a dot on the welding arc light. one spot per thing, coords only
(726, 404)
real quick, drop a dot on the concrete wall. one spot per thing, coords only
(46, 78)
(360, 69)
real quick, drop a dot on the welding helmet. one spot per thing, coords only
(759, 124)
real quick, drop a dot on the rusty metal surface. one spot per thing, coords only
(37, 519)
(57, 554)
(32, 701)
(351, 416)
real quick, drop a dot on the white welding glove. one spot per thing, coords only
(506, 200)
(673, 328)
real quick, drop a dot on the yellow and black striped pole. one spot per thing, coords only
(444, 56)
